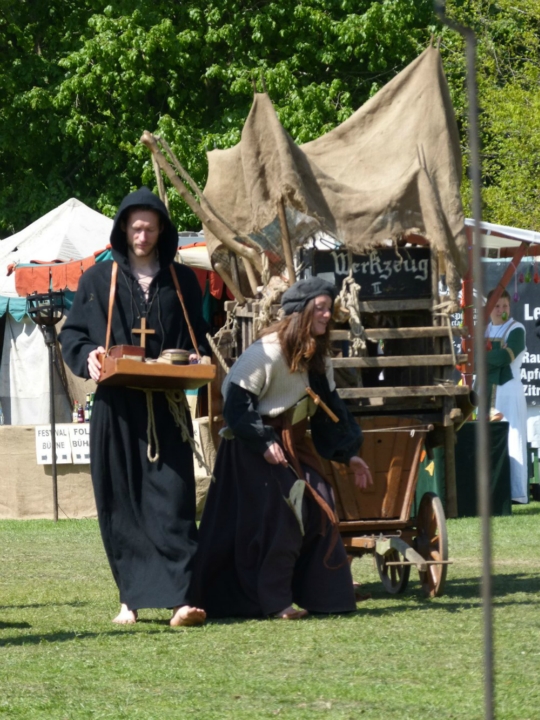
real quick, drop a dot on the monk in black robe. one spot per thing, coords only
(144, 486)
(268, 535)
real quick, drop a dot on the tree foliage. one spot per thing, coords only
(81, 79)
(36, 167)
(71, 118)
(508, 70)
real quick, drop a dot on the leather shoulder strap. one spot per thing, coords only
(181, 298)
(112, 293)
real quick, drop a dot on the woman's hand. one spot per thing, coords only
(362, 476)
(275, 455)
(94, 366)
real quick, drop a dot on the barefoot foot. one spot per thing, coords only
(125, 616)
(290, 613)
(185, 615)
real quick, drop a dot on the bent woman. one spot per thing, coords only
(268, 535)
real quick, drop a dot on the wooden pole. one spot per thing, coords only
(160, 183)
(49, 333)
(223, 233)
(201, 197)
(286, 242)
(435, 314)
(467, 298)
(450, 471)
(435, 300)
(227, 279)
(235, 274)
(251, 276)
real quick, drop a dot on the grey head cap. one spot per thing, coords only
(297, 297)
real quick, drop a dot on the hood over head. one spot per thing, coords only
(168, 238)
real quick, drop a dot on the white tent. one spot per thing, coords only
(71, 231)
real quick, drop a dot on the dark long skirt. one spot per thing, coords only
(252, 559)
(146, 510)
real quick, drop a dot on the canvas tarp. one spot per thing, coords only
(393, 166)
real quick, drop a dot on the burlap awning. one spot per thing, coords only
(392, 167)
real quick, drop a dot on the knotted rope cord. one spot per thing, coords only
(217, 353)
(151, 432)
(272, 294)
(231, 325)
(348, 300)
(178, 405)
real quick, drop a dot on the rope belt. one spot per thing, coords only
(178, 407)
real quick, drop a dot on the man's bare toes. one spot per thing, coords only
(187, 615)
(125, 616)
(290, 613)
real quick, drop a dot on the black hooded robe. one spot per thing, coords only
(146, 509)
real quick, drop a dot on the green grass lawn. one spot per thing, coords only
(400, 657)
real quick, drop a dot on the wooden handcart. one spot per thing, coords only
(405, 401)
(379, 520)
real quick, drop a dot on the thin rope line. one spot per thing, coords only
(217, 353)
(408, 428)
(178, 405)
(151, 431)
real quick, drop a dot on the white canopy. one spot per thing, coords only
(502, 236)
(72, 231)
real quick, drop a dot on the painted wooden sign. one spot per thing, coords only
(390, 273)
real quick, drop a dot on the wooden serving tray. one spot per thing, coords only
(161, 376)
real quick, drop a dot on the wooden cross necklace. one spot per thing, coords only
(143, 332)
(143, 282)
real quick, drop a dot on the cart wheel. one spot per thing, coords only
(394, 577)
(432, 543)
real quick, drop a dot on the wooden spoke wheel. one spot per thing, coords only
(432, 543)
(394, 577)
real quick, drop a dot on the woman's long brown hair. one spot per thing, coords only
(301, 349)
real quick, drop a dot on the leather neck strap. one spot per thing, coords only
(181, 298)
(111, 304)
(112, 294)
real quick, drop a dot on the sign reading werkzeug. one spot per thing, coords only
(388, 273)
